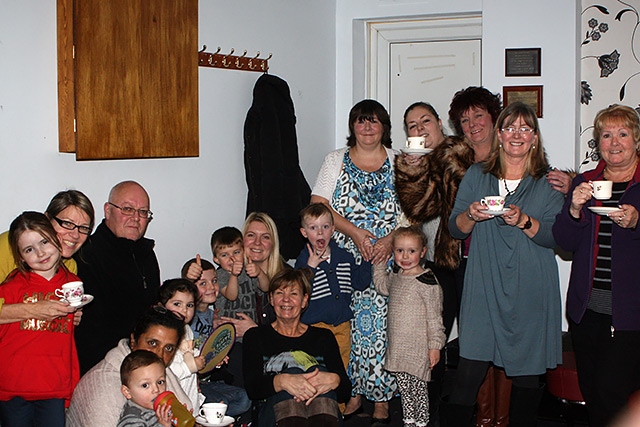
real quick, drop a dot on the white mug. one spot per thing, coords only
(493, 203)
(213, 412)
(72, 292)
(416, 142)
(601, 189)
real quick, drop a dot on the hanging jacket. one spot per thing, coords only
(275, 181)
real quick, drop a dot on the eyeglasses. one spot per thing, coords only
(129, 211)
(68, 225)
(513, 131)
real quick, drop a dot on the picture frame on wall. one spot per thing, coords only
(530, 95)
(523, 62)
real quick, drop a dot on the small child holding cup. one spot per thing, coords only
(143, 378)
(414, 321)
(39, 368)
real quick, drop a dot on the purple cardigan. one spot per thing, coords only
(580, 237)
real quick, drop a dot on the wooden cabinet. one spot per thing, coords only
(131, 89)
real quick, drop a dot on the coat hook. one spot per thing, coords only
(204, 47)
(269, 57)
(238, 64)
(217, 51)
(257, 55)
(224, 60)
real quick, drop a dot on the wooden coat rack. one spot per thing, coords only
(233, 62)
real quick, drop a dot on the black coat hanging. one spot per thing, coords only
(275, 181)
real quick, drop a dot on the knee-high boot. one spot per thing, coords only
(485, 400)
(524, 406)
(502, 397)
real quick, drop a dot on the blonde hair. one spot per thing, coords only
(274, 262)
(616, 113)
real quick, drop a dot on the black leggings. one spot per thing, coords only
(469, 377)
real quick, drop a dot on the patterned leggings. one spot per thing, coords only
(415, 399)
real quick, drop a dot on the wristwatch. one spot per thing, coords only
(527, 225)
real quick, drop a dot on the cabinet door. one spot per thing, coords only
(134, 89)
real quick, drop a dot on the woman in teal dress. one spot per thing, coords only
(510, 311)
(357, 182)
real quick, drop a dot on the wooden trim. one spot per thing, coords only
(66, 89)
(530, 95)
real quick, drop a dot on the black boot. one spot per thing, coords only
(454, 415)
(434, 389)
(524, 406)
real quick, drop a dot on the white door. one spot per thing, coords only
(432, 72)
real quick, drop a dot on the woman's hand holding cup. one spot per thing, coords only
(476, 212)
(581, 195)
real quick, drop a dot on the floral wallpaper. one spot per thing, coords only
(609, 63)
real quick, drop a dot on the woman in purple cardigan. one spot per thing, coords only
(603, 301)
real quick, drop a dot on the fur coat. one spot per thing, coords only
(428, 190)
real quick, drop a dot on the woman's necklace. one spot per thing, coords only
(510, 192)
(607, 174)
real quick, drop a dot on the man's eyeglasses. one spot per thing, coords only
(513, 131)
(129, 211)
(68, 225)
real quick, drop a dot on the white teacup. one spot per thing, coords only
(493, 203)
(72, 292)
(602, 189)
(213, 412)
(416, 142)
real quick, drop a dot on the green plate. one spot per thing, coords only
(217, 346)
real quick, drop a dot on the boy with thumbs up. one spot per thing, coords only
(237, 289)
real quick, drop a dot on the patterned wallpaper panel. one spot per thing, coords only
(610, 64)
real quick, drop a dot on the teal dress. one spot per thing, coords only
(510, 311)
(368, 200)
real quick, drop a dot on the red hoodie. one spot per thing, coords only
(39, 358)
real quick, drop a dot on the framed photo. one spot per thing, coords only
(522, 62)
(530, 95)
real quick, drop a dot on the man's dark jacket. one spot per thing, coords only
(124, 277)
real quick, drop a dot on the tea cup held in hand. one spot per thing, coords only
(493, 203)
(72, 292)
(602, 189)
(416, 142)
(213, 412)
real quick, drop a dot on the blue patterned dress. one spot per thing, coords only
(368, 200)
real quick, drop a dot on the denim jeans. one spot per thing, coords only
(18, 412)
(235, 397)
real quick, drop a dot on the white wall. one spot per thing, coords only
(189, 197)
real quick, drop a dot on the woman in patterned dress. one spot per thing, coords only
(357, 182)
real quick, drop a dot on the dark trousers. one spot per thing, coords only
(18, 412)
(608, 365)
(450, 307)
(471, 373)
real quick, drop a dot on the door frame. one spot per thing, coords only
(382, 33)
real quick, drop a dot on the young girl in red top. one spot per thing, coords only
(39, 368)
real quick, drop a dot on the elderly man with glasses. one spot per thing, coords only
(119, 268)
